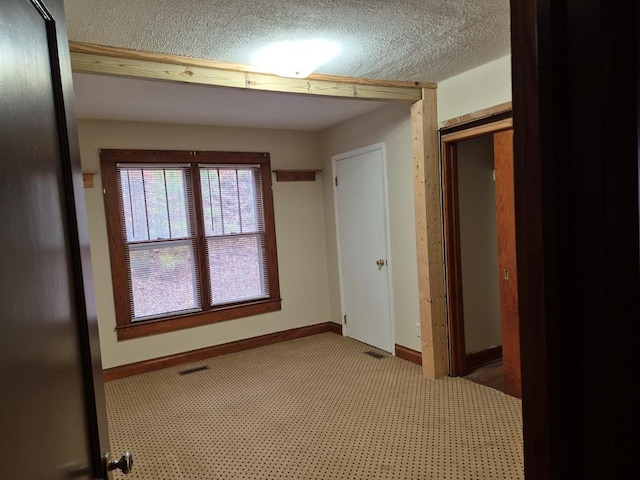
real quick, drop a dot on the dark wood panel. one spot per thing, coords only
(409, 354)
(507, 265)
(52, 401)
(576, 121)
(527, 186)
(215, 351)
(477, 359)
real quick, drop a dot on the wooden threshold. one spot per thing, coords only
(409, 354)
(477, 359)
(159, 363)
(98, 59)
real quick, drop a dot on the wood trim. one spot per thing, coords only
(478, 359)
(408, 354)
(117, 255)
(428, 214)
(160, 363)
(335, 328)
(124, 53)
(270, 226)
(477, 115)
(453, 261)
(215, 76)
(213, 315)
(478, 131)
(296, 175)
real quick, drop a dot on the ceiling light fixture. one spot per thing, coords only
(297, 59)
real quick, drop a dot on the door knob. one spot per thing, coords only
(380, 263)
(125, 464)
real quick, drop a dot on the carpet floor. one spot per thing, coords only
(312, 408)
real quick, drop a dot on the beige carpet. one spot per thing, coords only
(313, 408)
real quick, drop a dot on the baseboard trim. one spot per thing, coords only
(475, 360)
(335, 328)
(408, 354)
(208, 352)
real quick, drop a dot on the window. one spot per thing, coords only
(191, 238)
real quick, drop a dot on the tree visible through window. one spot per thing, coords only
(192, 238)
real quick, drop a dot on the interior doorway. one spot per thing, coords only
(363, 246)
(480, 250)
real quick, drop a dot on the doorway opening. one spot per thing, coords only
(480, 250)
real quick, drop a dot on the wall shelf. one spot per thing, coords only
(296, 175)
(87, 179)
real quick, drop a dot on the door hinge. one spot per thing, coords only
(345, 319)
(336, 179)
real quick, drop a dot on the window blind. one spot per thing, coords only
(234, 228)
(156, 202)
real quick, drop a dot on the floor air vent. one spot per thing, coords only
(193, 370)
(375, 354)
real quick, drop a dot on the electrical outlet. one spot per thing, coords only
(418, 330)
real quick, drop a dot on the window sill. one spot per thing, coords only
(170, 324)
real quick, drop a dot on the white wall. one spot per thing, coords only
(391, 125)
(479, 244)
(485, 86)
(300, 233)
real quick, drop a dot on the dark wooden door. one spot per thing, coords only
(51, 405)
(507, 268)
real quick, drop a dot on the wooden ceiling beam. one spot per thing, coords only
(96, 59)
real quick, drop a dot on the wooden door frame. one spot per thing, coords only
(452, 252)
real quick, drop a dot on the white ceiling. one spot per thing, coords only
(116, 98)
(416, 40)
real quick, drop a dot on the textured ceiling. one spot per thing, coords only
(417, 40)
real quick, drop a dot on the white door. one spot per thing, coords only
(361, 218)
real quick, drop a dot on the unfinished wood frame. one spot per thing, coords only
(428, 212)
(97, 59)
